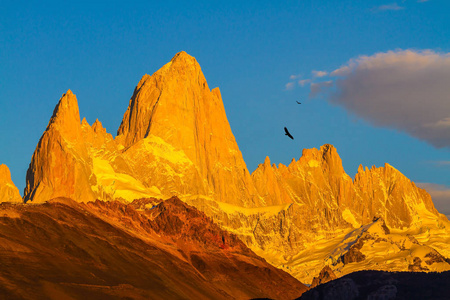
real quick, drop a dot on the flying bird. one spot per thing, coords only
(287, 133)
(298, 102)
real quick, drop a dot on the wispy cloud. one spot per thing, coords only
(420, 1)
(315, 87)
(441, 163)
(392, 6)
(293, 83)
(317, 74)
(304, 82)
(440, 194)
(344, 70)
(405, 89)
(319, 87)
(289, 86)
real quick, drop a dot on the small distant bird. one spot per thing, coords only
(298, 102)
(287, 133)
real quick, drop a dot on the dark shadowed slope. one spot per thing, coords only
(383, 285)
(109, 250)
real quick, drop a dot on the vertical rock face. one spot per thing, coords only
(79, 161)
(388, 193)
(327, 207)
(60, 164)
(318, 182)
(8, 191)
(175, 110)
(175, 139)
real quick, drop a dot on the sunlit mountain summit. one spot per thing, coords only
(175, 140)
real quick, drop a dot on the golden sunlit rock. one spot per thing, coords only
(8, 191)
(60, 164)
(175, 119)
(175, 139)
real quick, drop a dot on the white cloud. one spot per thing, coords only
(289, 85)
(392, 6)
(440, 194)
(406, 90)
(343, 71)
(293, 77)
(319, 87)
(303, 82)
(319, 73)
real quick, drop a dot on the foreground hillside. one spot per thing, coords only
(144, 250)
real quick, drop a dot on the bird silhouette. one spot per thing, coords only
(298, 102)
(287, 133)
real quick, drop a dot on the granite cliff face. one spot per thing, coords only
(175, 109)
(60, 164)
(318, 181)
(8, 191)
(175, 139)
(327, 212)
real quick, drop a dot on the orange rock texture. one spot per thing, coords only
(176, 107)
(318, 181)
(8, 191)
(175, 139)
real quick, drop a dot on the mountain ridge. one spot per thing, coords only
(175, 140)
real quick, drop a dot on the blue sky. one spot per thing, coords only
(251, 50)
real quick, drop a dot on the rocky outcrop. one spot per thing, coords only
(325, 275)
(318, 182)
(60, 164)
(353, 255)
(8, 191)
(79, 161)
(416, 266)
(388, 193)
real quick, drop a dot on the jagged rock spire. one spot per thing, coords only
(8, 191)
(176, 106)
(57, 168)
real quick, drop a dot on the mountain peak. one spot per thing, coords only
(176, 107)
(327, 157)
(184, 62)
(8, 191)
(165, 88)
(54, 171)
(183, 56)
(66, 115)
(4, 172)
(332, 158)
